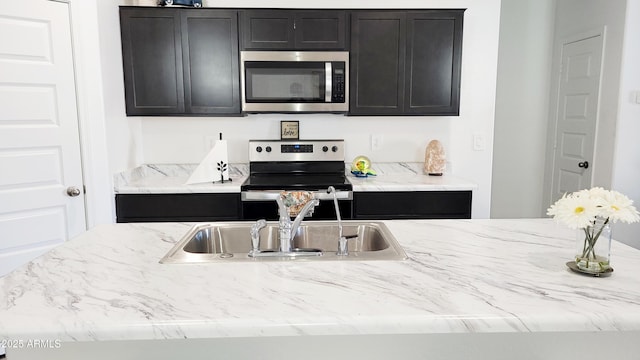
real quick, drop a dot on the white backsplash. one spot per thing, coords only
(402, 138)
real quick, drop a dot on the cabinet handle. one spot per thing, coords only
(584, 164)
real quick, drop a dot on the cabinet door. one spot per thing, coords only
(267, 29)
(434, 43)
(210, 58)
(152, 61)
(377, 62)
(325, 30)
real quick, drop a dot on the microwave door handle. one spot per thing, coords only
(328, 82)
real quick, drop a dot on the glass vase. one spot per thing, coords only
(593, 245)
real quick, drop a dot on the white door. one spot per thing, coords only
(39, 140)
(576, 115)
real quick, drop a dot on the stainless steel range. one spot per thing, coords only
(295, 165)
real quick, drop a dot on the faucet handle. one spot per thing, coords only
(315, 203)
(343, 246)
(255, 235)
(255, 228)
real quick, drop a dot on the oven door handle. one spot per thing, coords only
(328, 82)
(263, 195)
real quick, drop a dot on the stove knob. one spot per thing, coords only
(334, 148)
(268, 148)
(325, 148)
(259, 149)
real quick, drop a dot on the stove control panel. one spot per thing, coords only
(296, 150)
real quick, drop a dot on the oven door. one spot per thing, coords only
(262, 205)
(290, 81)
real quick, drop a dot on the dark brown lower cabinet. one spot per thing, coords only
(412, 205)
(177, 207)
(229, 207)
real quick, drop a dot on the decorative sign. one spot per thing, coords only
(289, 130)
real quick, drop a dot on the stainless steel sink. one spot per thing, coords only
(230, 242)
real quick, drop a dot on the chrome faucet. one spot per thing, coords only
(343, 250)
(287, 229)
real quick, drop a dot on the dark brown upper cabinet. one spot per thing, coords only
(406, 62)
(180, 61)
(294, 30)
(152, 61)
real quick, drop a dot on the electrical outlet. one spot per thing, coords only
(376, 142)
(479, 143)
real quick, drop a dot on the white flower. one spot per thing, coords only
(617, 206)
(575, 210)
(579, 209)
(597, 194)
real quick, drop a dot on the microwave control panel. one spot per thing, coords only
(338, 82)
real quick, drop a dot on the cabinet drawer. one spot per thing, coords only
(412, 205)
(177, 207)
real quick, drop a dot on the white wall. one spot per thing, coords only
(522, 96)
(133, 141)
(626, 163)
(123, 133)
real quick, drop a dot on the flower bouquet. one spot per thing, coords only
(591, 212)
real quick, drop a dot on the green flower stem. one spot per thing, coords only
(591, 238)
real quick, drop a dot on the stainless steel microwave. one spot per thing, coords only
(294, 81)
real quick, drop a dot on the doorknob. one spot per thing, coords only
(584, 164)
(73, 191)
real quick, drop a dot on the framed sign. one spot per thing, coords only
(289, 130)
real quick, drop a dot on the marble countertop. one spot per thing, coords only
(403, 176)
(462, 276)
(171, 178)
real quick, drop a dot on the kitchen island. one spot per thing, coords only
(481, 289)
